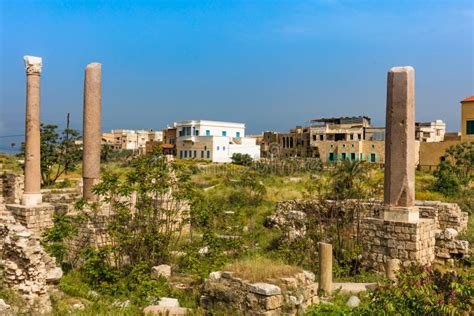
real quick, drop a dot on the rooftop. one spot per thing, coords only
(468, 99)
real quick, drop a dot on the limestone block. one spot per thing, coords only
(266, 289)
(168, 302)
(161, 270)
(353, 301)
(162, 310)
(273, 302)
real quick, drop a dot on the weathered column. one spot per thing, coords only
(325, 267)
(32, 192)
(399, 193)
(392, 266)
(92, 134)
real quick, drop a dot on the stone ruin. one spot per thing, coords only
(288, 296)
(26, 267)
(448, 221)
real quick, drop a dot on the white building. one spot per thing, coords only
(430, 131)
(213, 140)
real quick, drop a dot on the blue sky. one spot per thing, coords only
(270, 64)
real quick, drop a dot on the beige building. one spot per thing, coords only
(430, 153)
(123, 139)
(467, 119)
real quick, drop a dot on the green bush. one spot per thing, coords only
(423, 291)
(241, 159)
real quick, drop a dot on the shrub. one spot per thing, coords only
(241, 159)
(423, 291)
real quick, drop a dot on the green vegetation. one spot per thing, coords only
(223, 228)
(59, 153)
(10, 162)
(260, 269)
(418, 291)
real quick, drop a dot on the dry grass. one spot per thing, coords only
(260, 269)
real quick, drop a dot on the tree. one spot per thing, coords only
(241, 159)
(149, 203)
(347, 177)
(59, 152)
(455, 170)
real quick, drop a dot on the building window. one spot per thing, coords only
(373, 146)
(237, 134)
(353, 156)
(352, 145)
(343, 145)
(202, 154)
(373, 157)
(190, 154)
(195, 154)
(223, 148)
(343, 156)
(217, 147)
(185, 154)
(470, 127)
(208, 154)
(359, 136)
(208, 132)
(352, 137)
(291, 142)
(332, 145)
(181, 154)
(224, 133)
(321, 137)
(205, 147)
(314, 137)
(196, 132)
(331, 157)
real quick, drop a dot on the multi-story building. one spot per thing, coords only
(430, 131)
(352, 138)
(467, 119)
(123, 139)
(430, 153)
(214, 141)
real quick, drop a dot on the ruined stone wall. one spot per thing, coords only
(11, 188)
(285, 296)
(376, 235)
(26, 267)
(36, 219)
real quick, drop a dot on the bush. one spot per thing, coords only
(423, 291)
(241, 159)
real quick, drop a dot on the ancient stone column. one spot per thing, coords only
(392, 266)
(325, 267)
(92, 134)
(32, 192)
(399, 194)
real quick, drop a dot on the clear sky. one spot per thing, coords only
(270, 64)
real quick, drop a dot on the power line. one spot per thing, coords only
(5, 136)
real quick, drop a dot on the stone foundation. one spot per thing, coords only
(35, 218)
(409, 242)
(290, 216)
(285, 296)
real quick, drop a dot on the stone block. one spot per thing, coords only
(266, 289)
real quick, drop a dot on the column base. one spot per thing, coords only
(401, 214)
(31, 199)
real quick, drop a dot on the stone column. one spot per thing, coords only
(92, 134)
(32, 193)
(392, 266)
(399, 193)
(325, 267)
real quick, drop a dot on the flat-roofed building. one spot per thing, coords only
(213, 140)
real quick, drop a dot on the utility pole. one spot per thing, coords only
(67, 141)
